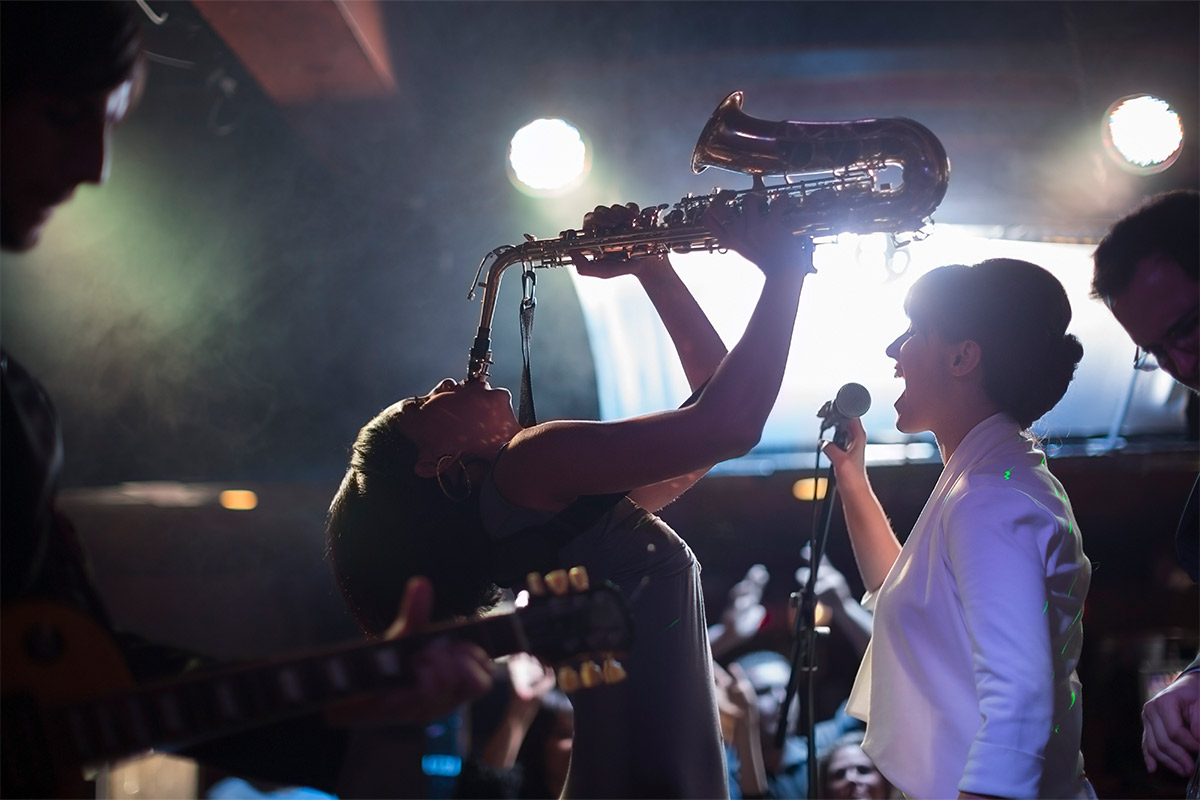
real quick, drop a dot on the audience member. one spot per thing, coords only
(847, 773)
(495, 769)
(847, 616)
(759, 685)
(546, 753)
(755, 686)
(742, 615)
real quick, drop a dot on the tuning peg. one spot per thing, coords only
(533, 582)
(591, 674)
(579, 578)
(614, 672)
(568, 679)
(556, 581)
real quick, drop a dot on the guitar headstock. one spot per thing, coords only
(579, 628)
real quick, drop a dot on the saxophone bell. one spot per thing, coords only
(852, 153)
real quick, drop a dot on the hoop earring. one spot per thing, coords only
(463, 488)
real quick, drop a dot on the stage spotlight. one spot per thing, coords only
(1143, 134)
(548, 157)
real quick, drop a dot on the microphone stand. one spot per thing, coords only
(804, 637)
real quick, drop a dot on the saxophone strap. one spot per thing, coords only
(526, 414)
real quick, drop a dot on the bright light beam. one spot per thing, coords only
(547, 157)
(1145, 133)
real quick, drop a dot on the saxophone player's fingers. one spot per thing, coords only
(755, 199)
(579, 260)
(711, 220)
(597, 218)
(719, 215)
(603, 218)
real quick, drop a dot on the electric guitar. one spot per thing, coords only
(69, 703)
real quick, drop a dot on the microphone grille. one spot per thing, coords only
(853, 400)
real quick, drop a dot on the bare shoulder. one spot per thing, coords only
(529, 474)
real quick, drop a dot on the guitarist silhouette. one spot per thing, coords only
(71, 72)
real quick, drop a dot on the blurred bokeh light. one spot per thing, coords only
(1145, 132)
(548, 156)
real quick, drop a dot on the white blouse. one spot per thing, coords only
(969, 681)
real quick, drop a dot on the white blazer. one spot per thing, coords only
(969, 680)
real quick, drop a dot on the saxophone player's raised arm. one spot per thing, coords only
(699, 346)
(674, 447)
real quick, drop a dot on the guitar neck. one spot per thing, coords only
(207, 705)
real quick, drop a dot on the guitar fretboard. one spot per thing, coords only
(209, 704)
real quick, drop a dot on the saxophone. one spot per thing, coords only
(843, 195)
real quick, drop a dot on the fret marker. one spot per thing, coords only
(138, 721)
(227, 701)
(387, 662)
(82, 743)
(107, 730)
(337, 674)
(169, 708)
(289, 682)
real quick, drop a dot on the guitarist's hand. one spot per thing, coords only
(448, 672)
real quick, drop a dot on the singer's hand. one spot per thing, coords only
(850, 462)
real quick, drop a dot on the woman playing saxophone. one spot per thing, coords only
(438, 481)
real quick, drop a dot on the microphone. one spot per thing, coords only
(851, 402)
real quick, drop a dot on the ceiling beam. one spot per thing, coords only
(301, 52)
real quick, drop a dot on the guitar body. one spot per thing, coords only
(52, 655)
(69, 702)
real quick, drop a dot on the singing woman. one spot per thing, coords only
(438, 484)
(968, 685)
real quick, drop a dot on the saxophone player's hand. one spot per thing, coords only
(611, 219)
(614, 219)
(759, 232)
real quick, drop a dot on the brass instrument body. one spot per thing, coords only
(846, 197)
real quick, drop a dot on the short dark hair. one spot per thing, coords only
(69, 48)
(1018, 314)
(1167, 225)
(387, 524)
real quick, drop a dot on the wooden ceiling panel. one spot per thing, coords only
(310, 51)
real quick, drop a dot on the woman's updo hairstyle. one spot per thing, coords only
(1017, 313)
(387, 524)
